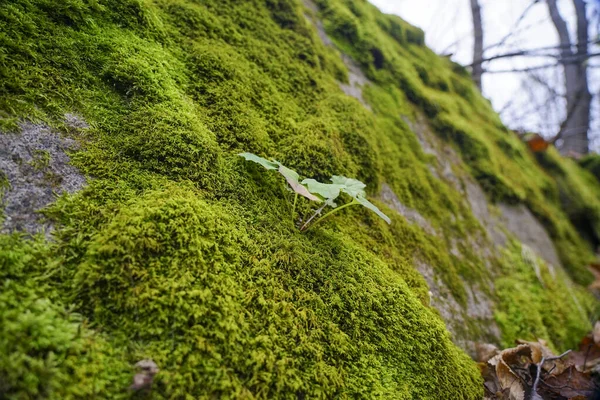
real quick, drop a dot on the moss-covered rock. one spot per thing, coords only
(178, 251)
(536, 301)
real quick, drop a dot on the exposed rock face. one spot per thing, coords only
(445, 155)
(479, 309)
(523, 224)
(516, 220)
(356, 77)
(37, 170)
(481, 210)
(356, 80)
(413, 216)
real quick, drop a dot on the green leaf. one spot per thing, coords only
(373, 208)
(353, 187)
(328, 191)
(259, 160)
(291, 176)
(292, 179)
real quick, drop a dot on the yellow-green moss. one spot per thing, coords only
(232, 308)
(443, 91)
(180, 252)
(4, 185)
(592, 164)
(529, 308)
(46, 351)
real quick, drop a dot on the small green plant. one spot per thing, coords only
(319, 192)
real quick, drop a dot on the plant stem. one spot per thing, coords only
(294, 207)
(313, 216)
(353, 202)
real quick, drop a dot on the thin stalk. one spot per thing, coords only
(313, 216)
(353, 202)
(294, 207)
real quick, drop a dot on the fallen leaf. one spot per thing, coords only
(536, 143)
(540, 350)
(587, 356)
(485, 351)
(571, 384)
(509, 380)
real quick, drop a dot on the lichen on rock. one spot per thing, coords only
(36, 167)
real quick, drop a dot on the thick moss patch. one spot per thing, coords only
(46, 349)
(443, 91)
(179, 251)
(540, 304)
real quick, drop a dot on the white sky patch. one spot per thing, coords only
(449, 30)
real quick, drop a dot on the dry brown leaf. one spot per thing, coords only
(485, 351)
(515, 355)
(509, 380)
(511, 373)
(587, 356)
(536, 143)
(539, 350)
(571, 384)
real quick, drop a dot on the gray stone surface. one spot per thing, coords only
(75, 121)
(523, 224)
(356, 78)
(36, 165)
(391, 200)
(445, 155)
(480, 309)
(317, 22)
(481, 210)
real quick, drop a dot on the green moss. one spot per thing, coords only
(550, 309)
(193, 283)
(180, 252)
(592, 164)
(499, 161)
(4, 186)
(40, 159)
(47, 350)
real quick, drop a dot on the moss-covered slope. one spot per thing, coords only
(180, 252)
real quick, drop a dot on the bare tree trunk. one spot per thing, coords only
(478, 43)
(574, 129)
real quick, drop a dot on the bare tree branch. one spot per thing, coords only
(537, 53)
(514, 27)
(573, 61)
(539, 370)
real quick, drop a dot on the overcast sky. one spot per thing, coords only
(448, 29)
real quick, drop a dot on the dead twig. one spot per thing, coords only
(534, 392)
